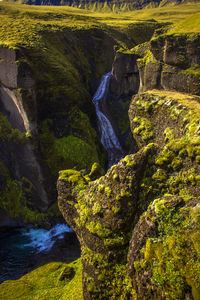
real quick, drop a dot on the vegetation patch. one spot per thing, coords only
(45, 283)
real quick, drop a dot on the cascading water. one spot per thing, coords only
(108, 137)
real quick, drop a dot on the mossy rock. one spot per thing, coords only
(168, 252)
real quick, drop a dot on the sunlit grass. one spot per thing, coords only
(43, 283)
(23, 24)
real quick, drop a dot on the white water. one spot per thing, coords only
(108, 137)
(42, 239)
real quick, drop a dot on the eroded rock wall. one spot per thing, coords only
(19, 161)
(46, 94)
(125, 75)
(171, 63)
(133, 223)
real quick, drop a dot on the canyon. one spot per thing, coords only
(113, 118)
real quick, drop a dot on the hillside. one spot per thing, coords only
(106, 5)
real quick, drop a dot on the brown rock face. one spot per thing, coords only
(11, 76)
(125, 75)
(174, 64)
(18, 103)
(103, 214)
(139, 225)
(8, 74)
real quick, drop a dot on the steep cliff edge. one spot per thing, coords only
(51, 64)
(138, 225)
(53, 111)
(21, 174)
(171, 62)
(50, 116)
(104, 213)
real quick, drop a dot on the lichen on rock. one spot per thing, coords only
(133, 222)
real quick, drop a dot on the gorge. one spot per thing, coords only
(134, 206)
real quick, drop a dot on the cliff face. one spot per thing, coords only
(49, 72)
(47, 111)
(171, 63)
(125, 75)
(21, 172)
(138, 225)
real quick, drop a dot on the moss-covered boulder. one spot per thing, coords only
(109, 216)
(164, 258)
(103, 213)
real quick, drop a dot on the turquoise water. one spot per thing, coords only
(19, 245)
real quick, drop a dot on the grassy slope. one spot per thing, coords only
(23, 24)
(43, 283)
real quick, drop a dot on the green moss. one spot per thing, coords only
(129, 161)
(194, 70)
(97, 228)
(44, 283)
(14, 199)
(146, 59)
(72, 176)
(115, 176)
(101, 188)
(96, 171)
(173, 256)
(118, 286)
(96, 208)
(115, 209)
(66, 152)
(144, 129)
(108, 191)
(177, 163)
(9, 134)
(114, 242)
(169, 134)
(160, 175)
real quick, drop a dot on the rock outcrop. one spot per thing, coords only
(125, 75)
(133, 223)
(20, 166)
(171, 63)
(103, 4)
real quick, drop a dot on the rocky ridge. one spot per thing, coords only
(104, 4)
(138, 225)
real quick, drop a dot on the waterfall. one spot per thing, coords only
(108, 137)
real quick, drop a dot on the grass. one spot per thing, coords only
(23, 24)
(182, 98)
(43, 283)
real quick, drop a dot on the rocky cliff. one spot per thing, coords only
(46, 108)
(21, 174)
(171, 63)
(138, 225)
(49, 72)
